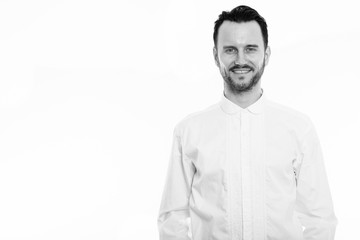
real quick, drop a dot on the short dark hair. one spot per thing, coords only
(241, 14)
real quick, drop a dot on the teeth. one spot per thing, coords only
(242, 71)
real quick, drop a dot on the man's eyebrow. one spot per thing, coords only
(252, 45)
(229, 46)
(248, 45)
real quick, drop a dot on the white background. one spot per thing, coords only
(90, 92)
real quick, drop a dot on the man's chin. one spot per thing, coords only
(241, 81)
(240, 87)
(240, 84)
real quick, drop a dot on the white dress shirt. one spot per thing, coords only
(246, 174)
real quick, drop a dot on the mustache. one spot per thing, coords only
(238, 66)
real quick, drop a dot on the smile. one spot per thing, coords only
(241, 71)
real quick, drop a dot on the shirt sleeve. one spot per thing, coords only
(173, 220)
(313, 201)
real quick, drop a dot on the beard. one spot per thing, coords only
(242, 87)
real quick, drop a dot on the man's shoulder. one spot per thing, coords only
(200, 117)
(288, 115)
(286, 110)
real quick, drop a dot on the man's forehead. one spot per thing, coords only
(240, 33)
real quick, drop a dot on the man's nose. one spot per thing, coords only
(241, 58)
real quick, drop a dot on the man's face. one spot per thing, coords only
(240, 54)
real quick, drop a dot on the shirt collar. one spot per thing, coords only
(232, 108)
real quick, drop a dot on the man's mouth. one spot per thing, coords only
(242, 70)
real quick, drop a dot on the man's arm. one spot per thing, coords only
(313, 202)
(174, 210)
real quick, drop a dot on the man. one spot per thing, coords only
(245, 168)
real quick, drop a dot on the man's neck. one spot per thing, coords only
(244, 99)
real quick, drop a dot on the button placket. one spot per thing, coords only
(246, 175)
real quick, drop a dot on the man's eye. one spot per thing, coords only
(250, 49)
(230, 50)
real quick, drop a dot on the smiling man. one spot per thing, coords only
(241, 55)
(245, 168)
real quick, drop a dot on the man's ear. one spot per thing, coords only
(216, 57)
(267, 55)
